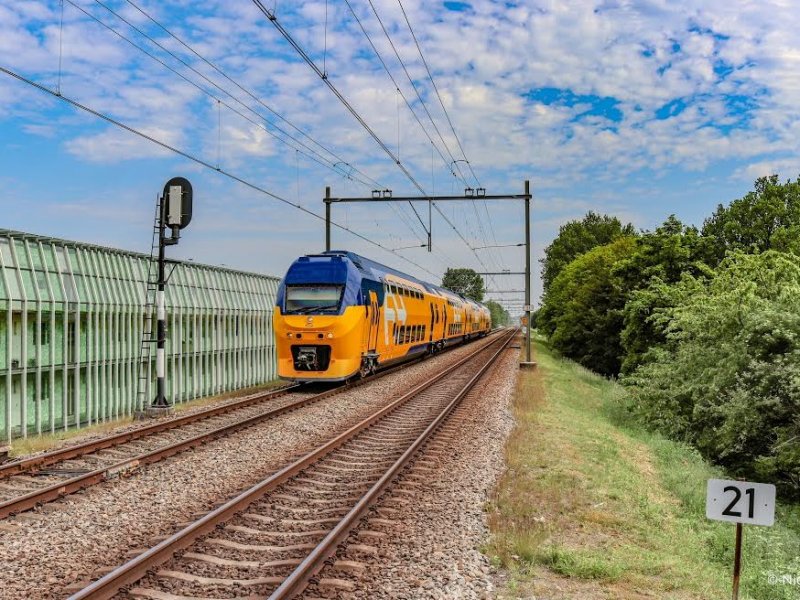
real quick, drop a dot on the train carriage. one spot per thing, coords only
(340, 315)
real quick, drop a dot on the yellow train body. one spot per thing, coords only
(387, 319)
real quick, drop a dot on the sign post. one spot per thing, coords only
(740, 502)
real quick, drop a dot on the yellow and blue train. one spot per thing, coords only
(339, 315)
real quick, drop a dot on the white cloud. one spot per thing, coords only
(730, 69)
(114, 145)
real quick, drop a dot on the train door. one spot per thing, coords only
(433, 321)
(374, 321)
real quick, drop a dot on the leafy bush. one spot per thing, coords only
(728, 377)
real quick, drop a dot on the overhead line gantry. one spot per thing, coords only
(386, 196)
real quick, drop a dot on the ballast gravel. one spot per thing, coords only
(55, 550)
(433, 549)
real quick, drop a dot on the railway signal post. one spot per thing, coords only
(176, 213)
(470, 195)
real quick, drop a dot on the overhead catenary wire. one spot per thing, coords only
(411, 81)
(199, 161)
(436, 89)
(326, 80)
(323, 76)
(315, 156)
(397, 85)
(248, 92)
(454, 163)
(446, 113)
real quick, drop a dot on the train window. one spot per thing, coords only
(313, 298)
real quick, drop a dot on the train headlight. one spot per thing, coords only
(330, 336)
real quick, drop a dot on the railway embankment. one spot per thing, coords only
(593, 506)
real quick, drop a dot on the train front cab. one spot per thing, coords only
(319, 320)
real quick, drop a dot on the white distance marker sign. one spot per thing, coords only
(740, 502)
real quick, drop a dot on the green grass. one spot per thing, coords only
(593, 503)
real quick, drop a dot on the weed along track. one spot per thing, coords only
(30, 482)
(274, 538)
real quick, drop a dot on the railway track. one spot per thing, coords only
(273, 538)
(30, 482)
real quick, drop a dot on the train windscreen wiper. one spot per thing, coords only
(306, 309)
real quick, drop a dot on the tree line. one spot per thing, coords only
(702, 325)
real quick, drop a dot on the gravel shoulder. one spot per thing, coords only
(46, 553)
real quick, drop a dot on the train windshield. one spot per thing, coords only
(301, 299)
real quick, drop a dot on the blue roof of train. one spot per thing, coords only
(376, 271)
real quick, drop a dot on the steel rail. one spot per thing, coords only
(25, 465)
(298, 579)
(96, 476)
(130, 572)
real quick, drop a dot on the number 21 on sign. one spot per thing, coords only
(740, 502)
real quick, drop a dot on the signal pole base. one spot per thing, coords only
(527, 365)
(153, 412)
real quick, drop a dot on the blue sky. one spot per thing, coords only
(638, 109)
